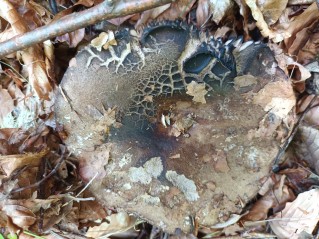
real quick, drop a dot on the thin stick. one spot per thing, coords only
(108, 9)
(42, 180)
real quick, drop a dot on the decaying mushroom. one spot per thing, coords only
(184, 124)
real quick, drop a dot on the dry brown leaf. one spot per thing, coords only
(275, 197)
(306, 146)
(181, 125)
(177, 10)
(276, 36)
(46, 15)
(32, 56)
(86, 3)
(202, 12)
(212, 8)
(304, 20)
(149, 15)
(118, 222)
(93, 164)
(21, 216)
(288, 65)
(198, 92)
(276, 97)
(244, 81)
(9, 163)
(7, 103)
(312, 116)
(310, 50)
(272, 9)
(300, 215)
(72, 38)
(90, 210)
(218, 9)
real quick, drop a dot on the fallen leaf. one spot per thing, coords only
(198, 92)
(7, 103)
(177, 10)
(118, 222)
(9, 163)
(306, 146)
(94, 163)
(218, 9)
(272, 9)
(181, 125)
(301, 215)
(244, 81)
(149, 15)
(257, 14)
(21, 216)
(276, 97)
(299, 23)
(275, 197)
(202, 12)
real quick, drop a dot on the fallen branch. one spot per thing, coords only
(106, 10)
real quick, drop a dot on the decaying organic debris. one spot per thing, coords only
(170, 132)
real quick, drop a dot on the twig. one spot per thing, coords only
(43, 179)
(83, 189)
(108, 9)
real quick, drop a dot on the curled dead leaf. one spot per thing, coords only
(257, 14)
(21, 216)
(9, 163)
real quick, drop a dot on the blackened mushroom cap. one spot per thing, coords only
(176, 134)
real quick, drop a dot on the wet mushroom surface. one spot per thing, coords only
(174, 124)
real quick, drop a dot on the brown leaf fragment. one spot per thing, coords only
(94, 163)
(9, 163)
(177, 10)
(299, 23)
(149, 15)
(274, 198)
(118, 222)
(276, 97)
(301, 215)
(272, 9)
(257, 14)
(198, 92)
(306, 145)
(21, 216)
(32, 57)
(202, 12)
(181, 125)
(7, 103)
(212, 9)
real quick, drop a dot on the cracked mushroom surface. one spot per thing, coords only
(176, 123)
